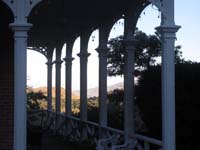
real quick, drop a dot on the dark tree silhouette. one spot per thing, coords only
(148, 48)
(148, 96)
(33, 99)
(115, 108)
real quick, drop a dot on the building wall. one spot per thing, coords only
(6, 80)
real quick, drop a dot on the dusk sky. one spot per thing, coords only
(186, 14)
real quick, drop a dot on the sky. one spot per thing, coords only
(186, 14)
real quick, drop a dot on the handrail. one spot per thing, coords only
(139, 137)
(113, 129)
(87, 122)
(148, 139)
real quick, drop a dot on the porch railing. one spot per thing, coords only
(73, 129)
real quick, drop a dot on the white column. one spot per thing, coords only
(168, 16)
(168, 86)
(129, 109)
(103, 52)
(168, 31)
(68, 85)
(83, 75)
(49, 85)
(83, 84)
(20, 100)
(58, 63)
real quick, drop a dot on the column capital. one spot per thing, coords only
(58, 62)
(49, 63)
(20, 29)
(102, 51)
(168, 31)
(83, 54)
(20, 26)
(68, 59)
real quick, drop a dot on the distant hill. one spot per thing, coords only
(76, 94)
(94, 91)
(44, 90)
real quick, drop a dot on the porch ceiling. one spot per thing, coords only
(55, 21)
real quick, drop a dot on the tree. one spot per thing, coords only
(148, 48)
(35, 99)
(115, 108)
(148, 97)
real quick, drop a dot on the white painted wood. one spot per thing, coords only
(49, 84)
(129, 125)
(68, 80)
(168, 19)
(58, 85)
(11, 5)
(168, 86)
(58, 64)
(83, 55)
(103, 52)
(103, 112)
(146, 146)
(83, 85)
(20, 99)
(129, 108)
(168, 31)
(31, 4)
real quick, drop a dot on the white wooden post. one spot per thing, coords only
(49, 84)
(103, 52)
(83, 84)
(168, 31)
(168, 86)
(68, 86)
(20, 99)
(129, 124)
(129, 104)
(58, 63)
(83, 75)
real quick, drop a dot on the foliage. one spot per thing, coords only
(115, 108)
(147, 50)
(116, 111)
(75, 107)
(148, 97)
(35, 100)
(187, 82)
(93, 109)
(116, 96)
